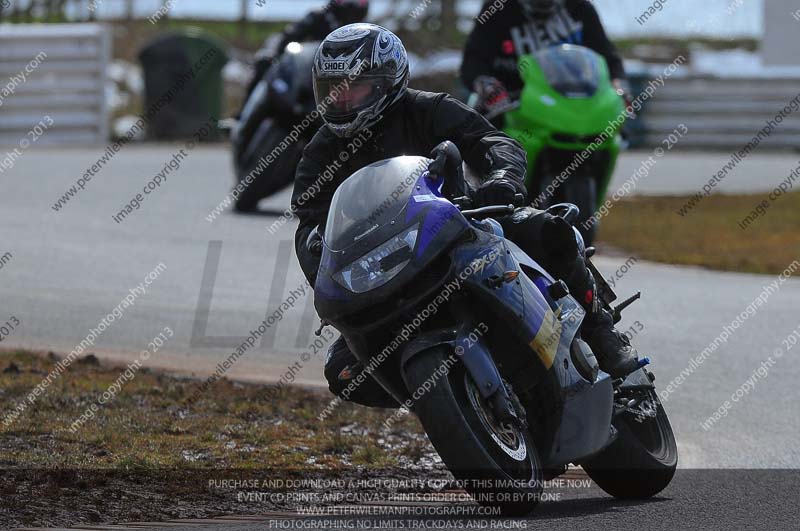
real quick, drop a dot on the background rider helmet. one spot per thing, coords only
(349, 11)
(539, 9)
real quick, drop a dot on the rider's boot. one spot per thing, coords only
(612, 348)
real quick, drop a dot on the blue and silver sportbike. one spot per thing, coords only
(481, 342)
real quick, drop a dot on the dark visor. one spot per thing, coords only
(344, 99)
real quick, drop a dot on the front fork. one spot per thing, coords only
(480, 365)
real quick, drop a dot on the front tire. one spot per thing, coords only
(275, 176)
(498, 463)
(643, 459)
(581, 190)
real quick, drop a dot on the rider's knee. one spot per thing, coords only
(347, 380)
(337, 365)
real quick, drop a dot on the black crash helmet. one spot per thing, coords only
(349, 11)
(539, 9)
(360, 71)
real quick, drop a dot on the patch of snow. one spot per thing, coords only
(237, 72)
(115, 97)
(440, 62)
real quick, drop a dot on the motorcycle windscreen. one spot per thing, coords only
(573, 71)
(295, 66)
(371, 198)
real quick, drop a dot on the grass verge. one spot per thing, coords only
(710, 235)
(150, 452)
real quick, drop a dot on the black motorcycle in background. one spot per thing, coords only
(274, 126)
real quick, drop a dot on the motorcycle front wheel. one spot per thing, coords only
(497, 462)
(641, 462)
(581, 191)
(267, 179)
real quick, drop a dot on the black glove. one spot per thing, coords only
(492, 94)
(314, 242)
(447, 163)
(499, 190)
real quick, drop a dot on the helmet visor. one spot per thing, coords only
(342, 99)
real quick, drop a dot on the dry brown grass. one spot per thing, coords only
(160, 421)
(709, 235)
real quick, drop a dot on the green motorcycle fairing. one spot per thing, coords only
(568, 103)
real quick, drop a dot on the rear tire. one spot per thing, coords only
(643, 459)
(272, 178)
(472, 445)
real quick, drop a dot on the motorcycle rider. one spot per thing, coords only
(521, 27)
(315, 26)
(361, 71)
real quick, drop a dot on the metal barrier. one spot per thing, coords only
(56, 71)
(724, 113)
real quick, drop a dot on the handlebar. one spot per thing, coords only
(448, 164)
(488, 211)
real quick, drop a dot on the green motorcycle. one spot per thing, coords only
(569, 118)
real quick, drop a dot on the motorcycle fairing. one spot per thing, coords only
(256, 100)
(586, 407)
(526, 303)
(427, 204)
(549, 328)
(440, 224)
(290, 78)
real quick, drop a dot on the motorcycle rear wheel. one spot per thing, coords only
(641, 462)
(497, 463)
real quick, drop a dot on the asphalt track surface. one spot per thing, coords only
(71, 268)
(709, 500)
